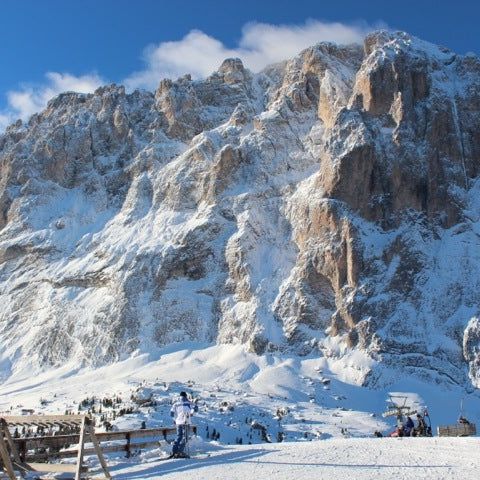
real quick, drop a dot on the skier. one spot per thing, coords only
(181, 411)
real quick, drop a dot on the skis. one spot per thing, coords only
(201, 456)
(186, 448)
(170, 457)
(175, 457)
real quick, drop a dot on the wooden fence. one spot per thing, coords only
(46, 448)
(10, 455)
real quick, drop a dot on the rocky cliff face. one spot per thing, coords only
(328, 205)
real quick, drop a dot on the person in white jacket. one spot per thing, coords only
(182, 411)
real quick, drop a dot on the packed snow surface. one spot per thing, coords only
(429, 458)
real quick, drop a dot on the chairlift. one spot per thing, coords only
(397, 407)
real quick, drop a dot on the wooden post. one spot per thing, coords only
(98, 450)
(5, 456)
(11, 443)
(127, 446)
(23, 450)
(81, 446)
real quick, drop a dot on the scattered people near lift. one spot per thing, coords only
(408, 428)
(182, 411)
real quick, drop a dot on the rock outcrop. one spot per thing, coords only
(328, 205)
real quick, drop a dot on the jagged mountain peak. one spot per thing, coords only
(327, 205)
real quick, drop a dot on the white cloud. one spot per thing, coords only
(32, 98)
(260, 45)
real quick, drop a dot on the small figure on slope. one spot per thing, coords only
(182, 411)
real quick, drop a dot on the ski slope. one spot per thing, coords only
(339, 459)
(327, 423)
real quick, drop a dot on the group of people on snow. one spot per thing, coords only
(409, 429)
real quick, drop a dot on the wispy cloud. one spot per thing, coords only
(260, 45)
(196, 53)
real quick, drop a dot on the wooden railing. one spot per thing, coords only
(10, 454)
(38, 449)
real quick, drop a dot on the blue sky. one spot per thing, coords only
(52, 45)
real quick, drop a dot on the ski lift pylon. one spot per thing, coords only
(397, 407)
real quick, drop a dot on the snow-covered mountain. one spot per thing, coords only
(327, 206)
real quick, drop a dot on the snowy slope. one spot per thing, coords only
(318, 396)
